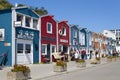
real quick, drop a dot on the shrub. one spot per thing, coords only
(22, 68)
(109, 57)
(61, 63)
(98, 58)
(80, 61)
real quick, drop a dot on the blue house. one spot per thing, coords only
(83, 38)
(74, 37)
(83, 42)
(90, 46)
(19, 30)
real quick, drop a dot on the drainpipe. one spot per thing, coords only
(13, 37)
(57, 35)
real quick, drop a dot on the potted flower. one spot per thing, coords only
(109, 58)
(81, 63)
(60, 66)
(96, 60)
(114, 58)
(19, 72)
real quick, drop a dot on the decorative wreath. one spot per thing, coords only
(60, 32)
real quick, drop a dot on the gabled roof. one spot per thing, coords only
(24, 9)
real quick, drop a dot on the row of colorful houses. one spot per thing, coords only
(28, 38)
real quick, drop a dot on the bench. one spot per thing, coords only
(56, 56)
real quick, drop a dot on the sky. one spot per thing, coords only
(95, 15)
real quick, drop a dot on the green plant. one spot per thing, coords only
(80, 61)
(61, 63)
(114, 56)
(98, 58)
(22, 68)
(109, 57)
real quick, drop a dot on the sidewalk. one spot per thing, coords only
(39, 71)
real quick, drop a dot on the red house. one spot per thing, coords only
(48, 37)
(63, 37)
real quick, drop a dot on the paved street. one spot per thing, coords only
(110, 71)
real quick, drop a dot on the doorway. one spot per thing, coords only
(24, 52)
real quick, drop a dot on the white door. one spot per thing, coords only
(24, 52)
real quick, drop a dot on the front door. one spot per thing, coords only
(24, 52)
(48, 51)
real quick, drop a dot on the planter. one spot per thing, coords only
(109, 60)
(98, 61)
(95, 61)
(113, 59)
(83, 64)
(18, 75)
(60, 68)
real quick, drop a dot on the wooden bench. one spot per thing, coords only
(56, 56)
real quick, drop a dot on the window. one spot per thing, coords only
(19, 20)
(27, 48)
(19, 48)
(90, 40)
(74, 42)
(75, 33)
(117, 38)
(35, 23)
(60, 48)
(27, 21)
(117, 33)
(53, 49)
(44, 49)
(64, 31)
(49, 28)
(82, 38)
(19, 17)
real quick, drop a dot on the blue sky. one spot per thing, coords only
(95, 15)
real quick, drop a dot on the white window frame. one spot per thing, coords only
(82, 38)
(61, 48)
(54, 49)
(75, 33)
(64, 28)
(90, 39)
(30, 21)
(22, 21)
(74, 41)
(36, 27)
(45, 49)
(48, 23)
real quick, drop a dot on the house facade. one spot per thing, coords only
(110, 41)
(89, 44)
(63, 37)
(74, 37)
(48, 37)
(20, 27)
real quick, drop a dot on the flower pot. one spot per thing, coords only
(109, 60)
(83, 64)
(17, 76)
(113, 59)
(60, 68)
(95, 61)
